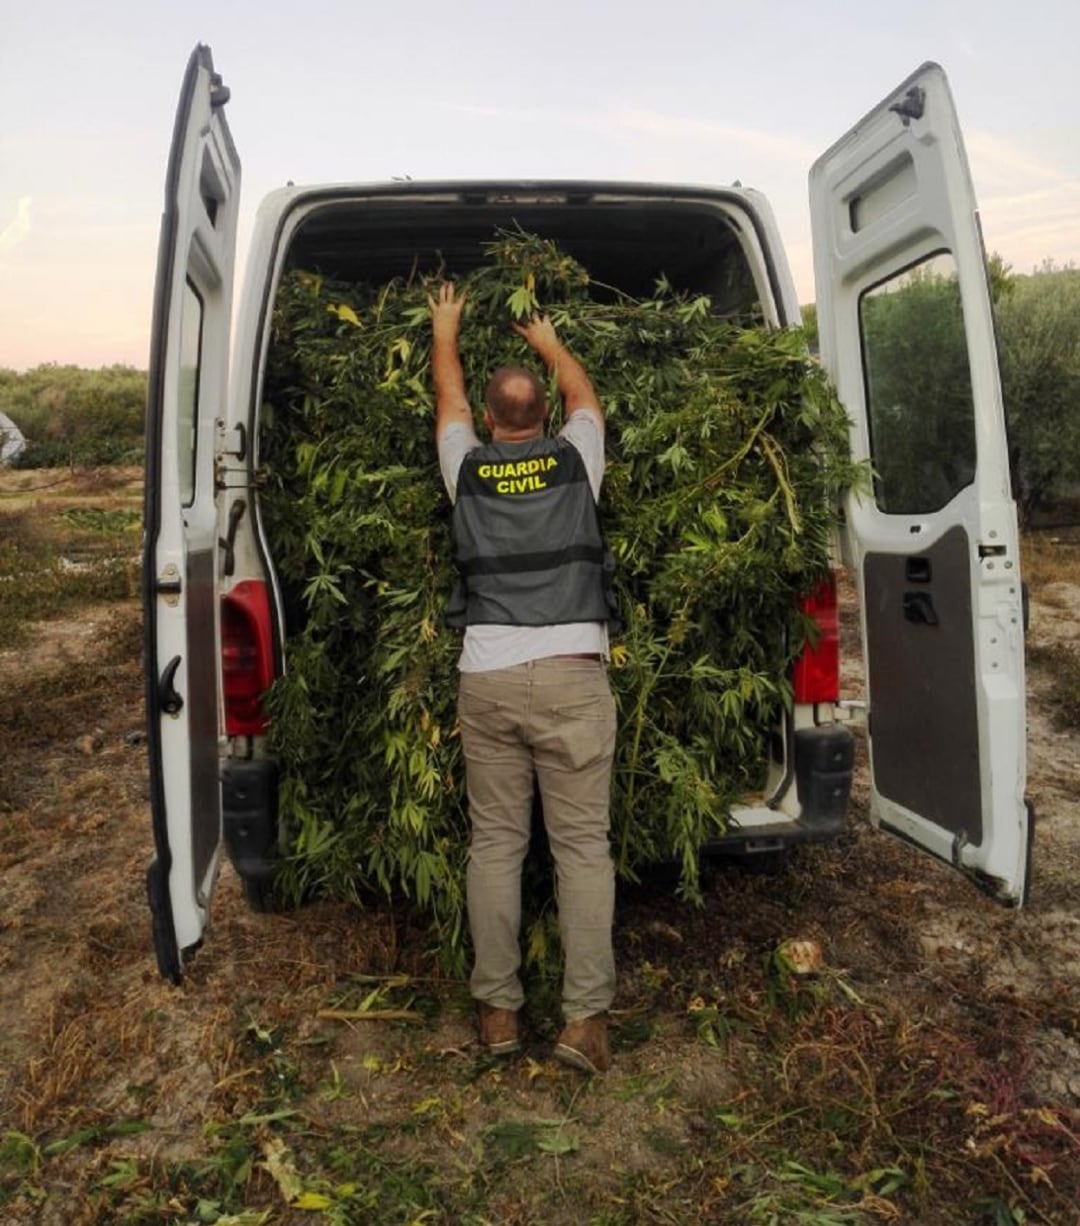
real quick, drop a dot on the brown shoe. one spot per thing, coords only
(583, 1044)
(498, 1030)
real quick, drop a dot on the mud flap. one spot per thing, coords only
(157, 893)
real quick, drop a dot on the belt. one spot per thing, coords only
(578, 655)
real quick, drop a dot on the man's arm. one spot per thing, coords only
(451, 401)
(575, 386)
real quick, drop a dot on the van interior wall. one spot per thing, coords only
(627, 246)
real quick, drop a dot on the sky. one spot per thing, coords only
(703, 92)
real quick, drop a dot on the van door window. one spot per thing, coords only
(921, 411)
(188, 392)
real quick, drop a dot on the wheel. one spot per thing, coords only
(260, 896)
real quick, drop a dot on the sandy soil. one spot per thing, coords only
(92, 1035)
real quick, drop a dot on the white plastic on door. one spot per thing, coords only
(188, 376)
(907, 335)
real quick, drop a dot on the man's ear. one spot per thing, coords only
(489, 421)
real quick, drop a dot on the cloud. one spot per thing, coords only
(1028, 227)
(1002, 161)
(677, 127)
(1061, 199)
(627, 121)
(15, 231)
(1030, 207)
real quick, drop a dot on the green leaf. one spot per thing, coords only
(313, 1201)
(343, 311)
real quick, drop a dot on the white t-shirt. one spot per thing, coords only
(490, 647)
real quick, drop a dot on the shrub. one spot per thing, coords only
(70, 416)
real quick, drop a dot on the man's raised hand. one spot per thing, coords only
(446, 312)
(539, 333)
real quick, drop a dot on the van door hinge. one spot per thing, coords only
(169, 584)
(239, 447)
(911, 106)
(219, 92)
(232, 444)
(850, 711)
(960, 841)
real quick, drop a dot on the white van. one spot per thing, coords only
(935, 559)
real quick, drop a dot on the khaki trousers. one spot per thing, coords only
(553, 720)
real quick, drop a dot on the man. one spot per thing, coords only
(534, 700)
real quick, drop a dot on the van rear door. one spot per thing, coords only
(907, 334)
(186, 398)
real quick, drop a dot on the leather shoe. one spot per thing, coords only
(498, 1030)
(583, 1044)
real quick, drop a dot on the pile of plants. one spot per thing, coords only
(727, 455)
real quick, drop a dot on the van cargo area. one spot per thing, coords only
(626, 236)
(629, 238)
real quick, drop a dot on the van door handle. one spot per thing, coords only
(168, 699)
(919, 608)
(227, 542)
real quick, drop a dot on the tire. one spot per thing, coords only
(260, 896)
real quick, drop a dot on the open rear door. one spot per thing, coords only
(187, 388)
(907, 335)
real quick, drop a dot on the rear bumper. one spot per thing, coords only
(824, 764)
(249, 816)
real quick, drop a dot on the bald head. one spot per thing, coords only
(515, 398)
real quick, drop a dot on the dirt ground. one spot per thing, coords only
(315, 1066)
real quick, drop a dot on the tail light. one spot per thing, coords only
(816, 675)
(247, 657)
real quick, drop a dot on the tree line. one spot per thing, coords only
(919, 386)
(1039, 345)
(70, 416)
(74, 416)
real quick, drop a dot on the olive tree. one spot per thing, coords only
(1039, 351)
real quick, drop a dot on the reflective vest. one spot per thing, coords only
(526, 538)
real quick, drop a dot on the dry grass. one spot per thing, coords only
(1049, 557)
(66, 540)
(923, 1075)
(124, 482)
(67, 698)
(1062, 664)
(1052, 569)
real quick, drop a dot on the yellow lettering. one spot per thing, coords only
(519, 485)
(519, 477)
